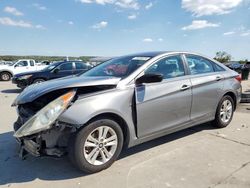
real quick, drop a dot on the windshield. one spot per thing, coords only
(118, 67)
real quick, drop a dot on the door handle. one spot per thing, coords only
(185, 87)
(218, 78)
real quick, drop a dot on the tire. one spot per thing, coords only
(5, 76)
(81, 147)
(39, 80)
(223, 115)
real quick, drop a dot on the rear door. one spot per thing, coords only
(207, 84)
(32, 66)
(166, 104)
(80, 67)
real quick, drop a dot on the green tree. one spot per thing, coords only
(223, 57)
(243, 61)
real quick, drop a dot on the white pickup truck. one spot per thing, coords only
(21, 66)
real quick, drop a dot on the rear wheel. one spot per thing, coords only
(96, 146)
(224, 113)
(5, 76)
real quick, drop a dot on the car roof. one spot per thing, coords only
(156, 53)
(150, 54)
(60, 62)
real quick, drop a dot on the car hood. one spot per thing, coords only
(34, 91)
(28, 73)
(5, 66)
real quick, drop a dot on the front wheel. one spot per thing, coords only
(224, 113)
(39, 80)
(96, 146)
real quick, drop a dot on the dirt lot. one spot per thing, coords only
(197, 157)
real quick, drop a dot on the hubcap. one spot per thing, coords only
(226, 111)
(5, 77)
(100, 145)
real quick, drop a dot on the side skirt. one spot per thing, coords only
(171, 130)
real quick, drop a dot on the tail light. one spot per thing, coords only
(238, 78)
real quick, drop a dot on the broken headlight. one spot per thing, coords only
(44, 118)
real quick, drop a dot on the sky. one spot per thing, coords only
(119, 27)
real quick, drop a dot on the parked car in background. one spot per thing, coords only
(92, 116)
(43, 62)
(5, 63)
(21, 66)
(53, 71)
(235, 66)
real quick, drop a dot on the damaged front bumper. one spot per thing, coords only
(52, 142)
(36, 146)
(28, 146)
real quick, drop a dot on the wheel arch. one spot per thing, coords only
(233, 96)
(118, 119)
(11, 73)
(42, 78)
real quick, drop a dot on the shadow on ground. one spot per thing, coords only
(11, 91)
(45, 168)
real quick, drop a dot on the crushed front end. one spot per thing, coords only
(37, 129)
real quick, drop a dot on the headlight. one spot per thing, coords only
(45, 118)
(25, 77)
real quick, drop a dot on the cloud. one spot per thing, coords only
(131, 4)
(38, 6)
(132, 16)
(229, 33)
(200, 24)
(240, 31)
(148, 6)
(160, 39)
(147, 40)
(100, 25)
(212, 7)
(245, 34)
(18, 23)
(13, 10)
(71, 23)
(40, 27)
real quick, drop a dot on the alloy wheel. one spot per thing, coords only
(226, 111)
(100, 145)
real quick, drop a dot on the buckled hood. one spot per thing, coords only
(37, 90)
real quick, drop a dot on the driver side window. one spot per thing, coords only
(66, 67)
(169, 67)
(22, 64)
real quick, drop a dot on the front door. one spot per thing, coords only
(21, 67)
(65, 69)
(166, 104)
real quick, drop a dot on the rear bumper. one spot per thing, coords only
(239, 93)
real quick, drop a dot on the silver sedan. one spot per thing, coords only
(121, 103)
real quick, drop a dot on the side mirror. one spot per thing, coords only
(56, 70)
(149, 78)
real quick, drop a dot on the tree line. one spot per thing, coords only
(225, 57)
(43, 58)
